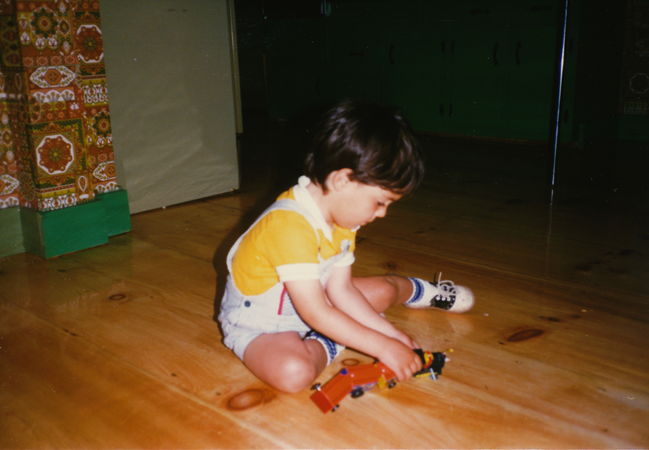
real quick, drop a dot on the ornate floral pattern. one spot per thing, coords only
(55, 154)
(55, 132)
(44, 22)
(90, 43)
(52, 76)
(8, 185)
(102, 124)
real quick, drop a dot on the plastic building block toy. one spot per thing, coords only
(358, 379)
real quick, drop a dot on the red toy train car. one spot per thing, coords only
(358, 379)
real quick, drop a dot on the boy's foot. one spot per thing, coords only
(441, 294)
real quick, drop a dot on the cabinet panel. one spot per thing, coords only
(476, 70)
(529, 91)
(462, 68)
(413, 78)
(294, 64)
(501, 72)
(475, 79)
(359, 53)
(356, 58)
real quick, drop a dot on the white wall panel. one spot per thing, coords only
(170, 85)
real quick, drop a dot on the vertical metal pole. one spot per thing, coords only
(556, 113)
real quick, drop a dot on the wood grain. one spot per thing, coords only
(116, 347)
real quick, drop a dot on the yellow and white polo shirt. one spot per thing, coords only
(290, 241)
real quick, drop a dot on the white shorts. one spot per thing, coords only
(244, 318)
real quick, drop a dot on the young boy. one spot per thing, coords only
(291, 302)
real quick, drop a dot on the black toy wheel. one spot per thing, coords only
(357, 392)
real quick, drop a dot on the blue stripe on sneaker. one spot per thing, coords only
(418, 290)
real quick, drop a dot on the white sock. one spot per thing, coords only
(422, 293)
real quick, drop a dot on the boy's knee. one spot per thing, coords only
(390, 286)
(389, 290)
(295, 374)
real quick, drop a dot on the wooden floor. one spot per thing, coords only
(116, 347)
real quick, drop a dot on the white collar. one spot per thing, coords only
(304, 198)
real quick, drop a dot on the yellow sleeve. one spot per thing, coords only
(282, 246)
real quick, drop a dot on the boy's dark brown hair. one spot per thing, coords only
(374, 141)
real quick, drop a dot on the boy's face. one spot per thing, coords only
(359, 204)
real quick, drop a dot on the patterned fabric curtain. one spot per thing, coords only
(55, 132)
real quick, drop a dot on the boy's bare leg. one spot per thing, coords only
(285, 361)
(384, 291)
(387, 290)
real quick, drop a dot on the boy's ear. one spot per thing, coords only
(339, 179)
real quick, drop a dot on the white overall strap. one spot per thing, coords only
(286, 204)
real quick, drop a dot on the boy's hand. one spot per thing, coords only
(404, 338)
(400, 358)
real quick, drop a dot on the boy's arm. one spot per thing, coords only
(315, 309)
(346, 297)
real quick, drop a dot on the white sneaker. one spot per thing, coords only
(441, 294)
(452, 297)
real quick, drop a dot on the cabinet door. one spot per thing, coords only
(500, 76)
(530, 88)
(475, 77)
(356, 57)
(413, 76)
(294, 62)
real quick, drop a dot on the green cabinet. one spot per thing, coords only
(414, 77)
(530, 88)
(294, 64)
(474, 79)
(469, 68)
(356, 55)
(358, 48)
(476, 71)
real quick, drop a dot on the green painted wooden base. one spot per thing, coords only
(55, 233)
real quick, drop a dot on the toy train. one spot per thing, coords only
(356, 380)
